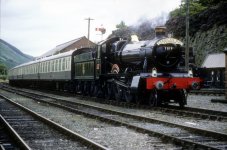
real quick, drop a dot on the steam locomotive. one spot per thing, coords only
(150, 72)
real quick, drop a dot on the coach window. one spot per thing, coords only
(57, 65)
(52, 65)
(50, 62)
(34, 68)
(37, 68)
(49, 66)
(67, 62)
(46, 66)
(63, 64)
(60, 64)
(42, 67)
(47, 69)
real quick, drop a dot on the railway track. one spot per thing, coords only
(178, 134)
(198, 113)
(217, 92)
(38, 132)
(8, 138)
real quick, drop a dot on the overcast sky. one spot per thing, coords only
(36, 26)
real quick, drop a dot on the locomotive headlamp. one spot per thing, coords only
(154, 72)
(190, 73)
(159, 85)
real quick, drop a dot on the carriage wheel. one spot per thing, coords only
(109, 91)
(93, 90)
(153, 99)
(77, 88)
(86, 88)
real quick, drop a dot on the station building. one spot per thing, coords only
(81, 42)
(215, 70)
(225, 51)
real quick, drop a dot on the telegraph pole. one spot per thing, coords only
(88, 19)
(187, 37)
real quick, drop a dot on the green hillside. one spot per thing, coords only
(10, 56)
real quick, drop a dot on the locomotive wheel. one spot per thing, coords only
(77, 88)
(117, 92)
(138, 100)
(86, 88)
(109, 91)
(128, 95)
(153, 99)
(182, 98)
(93, 90)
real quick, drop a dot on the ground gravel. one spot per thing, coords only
(197, 101)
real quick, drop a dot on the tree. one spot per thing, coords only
(3, 69)
(121, 25)
(210, 3)
(195, 7)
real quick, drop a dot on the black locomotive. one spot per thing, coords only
(150, 72)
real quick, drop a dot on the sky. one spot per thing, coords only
(37, 26)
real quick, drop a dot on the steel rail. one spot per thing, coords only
(187, 111)
(58, 127)
(21, 143)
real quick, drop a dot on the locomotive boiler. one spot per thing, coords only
(164, 54)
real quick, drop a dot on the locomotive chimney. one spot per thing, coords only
(160, 31)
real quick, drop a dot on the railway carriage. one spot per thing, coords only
(150, 72)
(53, 70)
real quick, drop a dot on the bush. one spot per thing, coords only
(3, 77)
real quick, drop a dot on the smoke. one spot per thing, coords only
(143, 28)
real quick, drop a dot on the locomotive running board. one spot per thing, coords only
(118, 83)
